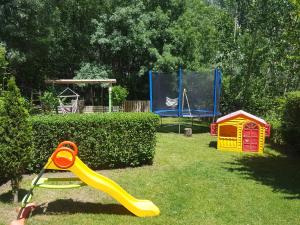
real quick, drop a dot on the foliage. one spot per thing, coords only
(47, 38)
(49, 102)
(118, 95)
(3, 64)
(261, 66)
(91, 71)
(122, 39)
(132, 36)
(15, 137)
(255, 42)
(291, 120)
(3, 61)
(104, 140)
(32, 108)
(284, 118)
(274, 117)
(2, 178)
(1, 105)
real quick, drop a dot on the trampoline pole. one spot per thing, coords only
(178, 125)
(151, 90)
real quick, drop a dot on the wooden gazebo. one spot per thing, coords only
(109, 82)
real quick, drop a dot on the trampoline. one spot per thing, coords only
(185, 94)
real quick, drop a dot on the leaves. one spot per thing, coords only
(255, 42)
(92, 71)
(104, 140)
(15, 135)
(257, 67)
(3, 61)
(118, 95)
(290, 120)
(49, 102)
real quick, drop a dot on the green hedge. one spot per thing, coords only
(274, 117)
(291, 120)
(285, 121)
(1, 104)
(276, 132)
(107, 140)
(2, 178)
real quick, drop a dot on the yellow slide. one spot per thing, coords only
(66, 159)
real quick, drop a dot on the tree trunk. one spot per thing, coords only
(15, 183)
(102, 95)
(92, 95)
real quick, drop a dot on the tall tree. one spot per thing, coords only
(15, 137)
(47, 38)
(3, 63)
(259, 66)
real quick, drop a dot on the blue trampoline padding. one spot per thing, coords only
(186, 113)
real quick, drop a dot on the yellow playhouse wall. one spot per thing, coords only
(262, 136)
(236, 144)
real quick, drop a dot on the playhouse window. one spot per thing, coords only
(228, 131)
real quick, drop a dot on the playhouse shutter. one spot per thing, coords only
(214, 129)
(268, 130)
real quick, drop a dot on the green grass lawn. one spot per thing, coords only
(190, 181)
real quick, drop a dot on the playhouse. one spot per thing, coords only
(241, 132)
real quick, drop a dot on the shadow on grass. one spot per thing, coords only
(284, 149)
(69, 206)
(213, 144)
(282, 173)
(7, 197)
(3, 180)
(198, 127)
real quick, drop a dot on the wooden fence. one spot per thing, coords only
(136, 106)
(128, 106)
(101, 108)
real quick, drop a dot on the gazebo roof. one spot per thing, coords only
(81, 81)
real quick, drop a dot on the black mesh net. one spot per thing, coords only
(196, 94)
(165, 94)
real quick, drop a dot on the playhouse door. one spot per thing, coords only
(250, 137)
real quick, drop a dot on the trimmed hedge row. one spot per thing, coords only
(104, 140)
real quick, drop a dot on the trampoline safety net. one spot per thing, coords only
(185, 94)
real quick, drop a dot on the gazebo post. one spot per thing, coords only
(109, 98)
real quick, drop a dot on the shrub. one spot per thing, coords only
(49, 102)
(31, 108)
(291, 120)
(274, 117)
(104, 140)
(1, 105)
(276, 131)
(2, 178)
(3, 61)
(15, 137)
(285, 121)
(119, 94)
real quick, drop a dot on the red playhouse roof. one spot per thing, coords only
(241, 113)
